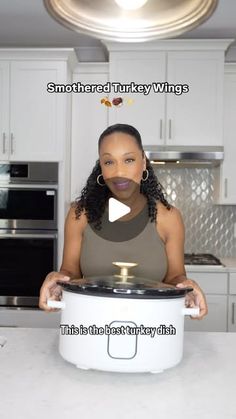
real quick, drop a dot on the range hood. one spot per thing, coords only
(185, 156)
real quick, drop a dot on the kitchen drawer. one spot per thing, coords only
(210, 282)
(215, 321)
(232, 283)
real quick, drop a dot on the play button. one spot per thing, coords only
(116, 210)
(111, 224)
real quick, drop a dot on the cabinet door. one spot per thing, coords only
(210, 282)
(228, 168)
(215, 321)
(195, 118)
(89, 119)
(4, 110)
(215, 286)
(147, 112)
(36, 119)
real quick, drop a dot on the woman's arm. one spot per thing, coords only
(173, 226)
(72, 244)
(70, 267)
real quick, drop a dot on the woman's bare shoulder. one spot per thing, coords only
(168, 221)
(169, 214)
(73, 221)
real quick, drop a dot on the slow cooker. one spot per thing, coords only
(122, 323)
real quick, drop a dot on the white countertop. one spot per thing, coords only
(37, 383)
(229, 263)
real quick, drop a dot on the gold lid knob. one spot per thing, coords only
(124, 269)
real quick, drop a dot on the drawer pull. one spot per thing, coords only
(161, 129)
(4, 143)
(170, 129)
(12, 143)
(233, 311)
(226, 188)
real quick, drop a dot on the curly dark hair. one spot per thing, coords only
(94, 197)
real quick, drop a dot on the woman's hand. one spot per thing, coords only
(195, 298)
(51, 290)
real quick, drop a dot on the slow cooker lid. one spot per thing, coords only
(115, 287)
(123, 285)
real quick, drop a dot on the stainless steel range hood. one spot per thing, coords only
(185, 156)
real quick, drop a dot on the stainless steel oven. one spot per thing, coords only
(28, 195)
(28, 230)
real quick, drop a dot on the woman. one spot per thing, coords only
(123, 172)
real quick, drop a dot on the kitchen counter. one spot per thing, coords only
(229, 263)
(37, 383)
(229, 266)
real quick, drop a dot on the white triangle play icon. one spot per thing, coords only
(116, 209)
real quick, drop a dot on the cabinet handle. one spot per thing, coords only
(12, 141)
(233, 311)
(170, 129)
(226, 187)
(161, 129)
(4, 143)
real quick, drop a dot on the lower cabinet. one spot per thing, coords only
(215, 287)
(215, 321)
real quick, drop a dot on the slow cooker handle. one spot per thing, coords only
(56, 304)
(191, 311)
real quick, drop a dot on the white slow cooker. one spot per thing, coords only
(122, 323)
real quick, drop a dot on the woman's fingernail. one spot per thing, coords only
(66, 277)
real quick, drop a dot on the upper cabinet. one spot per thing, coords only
(89, 120)
(225, 190)
(194, 117)
(146, 111)
(183, 100)
(32, 120)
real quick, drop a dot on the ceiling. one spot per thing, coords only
(26, 23)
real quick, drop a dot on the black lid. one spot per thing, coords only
(111, 286)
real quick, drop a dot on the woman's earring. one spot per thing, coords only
(146, 177)
(98, 181)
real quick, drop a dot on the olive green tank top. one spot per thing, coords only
(145, 248)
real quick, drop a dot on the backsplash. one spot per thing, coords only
(209, 228)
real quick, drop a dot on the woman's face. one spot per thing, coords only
(122, 164)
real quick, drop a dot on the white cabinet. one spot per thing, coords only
(147, 112)
(215, 321)
(215, 287)
(35, 125)
(232, 303)
(33, 122)
(191, 118)
(195, 117)
(89, 119)
(225, 190)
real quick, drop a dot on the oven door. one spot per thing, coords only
(29, 207)
(25, 260)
